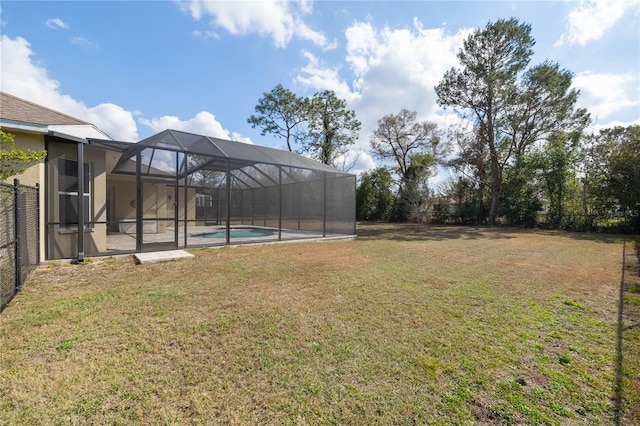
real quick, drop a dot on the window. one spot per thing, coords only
(68, 192)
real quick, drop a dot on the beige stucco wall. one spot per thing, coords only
(158, 201)
(63, 242)
(35, 172)
(33, 175)
(191, 204)
(123, 197)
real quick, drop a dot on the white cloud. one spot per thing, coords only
(317, 76)
(85, 42)
(112, 119)
(399, 68)
(592, 18)
(205, 34)
(358, 160)
(605, 94)
(615, 123)
(56, 23)
(392, 69)
(204, 123)
(20, 77)
(280, 20)
(235, 136)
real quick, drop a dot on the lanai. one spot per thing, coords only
(178, 186)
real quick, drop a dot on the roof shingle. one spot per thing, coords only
(17, 109)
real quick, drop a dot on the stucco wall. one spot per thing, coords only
(63, 242)
(158, 201)
(33, 175)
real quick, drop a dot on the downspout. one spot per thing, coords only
(47, 211)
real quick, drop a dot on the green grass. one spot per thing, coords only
(406, 325)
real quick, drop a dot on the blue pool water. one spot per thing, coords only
(237, 233)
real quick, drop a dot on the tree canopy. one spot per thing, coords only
(281, 113)
(332, 127)
(614, 174)
(399, 136)
(321, 126)
(511, 107)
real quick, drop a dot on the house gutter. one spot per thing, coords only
(23, 126)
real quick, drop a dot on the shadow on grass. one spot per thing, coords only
(420, 232)
(589, 236)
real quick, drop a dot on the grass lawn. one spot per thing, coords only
(407, 325)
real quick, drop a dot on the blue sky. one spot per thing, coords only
(134, 68)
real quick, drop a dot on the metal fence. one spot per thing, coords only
(19, 237)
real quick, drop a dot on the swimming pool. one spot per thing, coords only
(237, 233)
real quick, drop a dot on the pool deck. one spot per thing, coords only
(122, 242)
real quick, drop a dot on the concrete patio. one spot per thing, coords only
(126, 242)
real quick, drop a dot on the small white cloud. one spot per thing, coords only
(85, 42)
(280, 20)
(56, 23)
(591, 19)
(615, 123)
(204, 123)
(205, 34)
(317, 76)
(21, 77)
(235, 136)
(605, 94)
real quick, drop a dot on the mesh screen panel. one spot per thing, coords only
(225, 183)
(341, 204)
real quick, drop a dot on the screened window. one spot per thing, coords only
(68, 192)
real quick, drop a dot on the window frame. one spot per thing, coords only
(64, 194)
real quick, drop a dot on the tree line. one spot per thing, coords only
(520, 155)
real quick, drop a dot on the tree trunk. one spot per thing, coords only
(493, 211)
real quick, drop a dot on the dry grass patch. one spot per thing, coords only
(406, 325)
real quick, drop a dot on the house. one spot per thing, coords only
(173, 189)
(39, 128)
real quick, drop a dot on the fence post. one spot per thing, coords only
(16, 222)
(324, 204)
(279, 203)
(37, 223)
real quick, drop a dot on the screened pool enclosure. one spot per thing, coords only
(177, 189)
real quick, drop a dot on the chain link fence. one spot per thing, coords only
(19, 237)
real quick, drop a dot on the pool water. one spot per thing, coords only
(236, 233)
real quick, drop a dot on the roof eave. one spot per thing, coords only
(23, 126)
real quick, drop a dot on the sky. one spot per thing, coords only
(135, 68)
